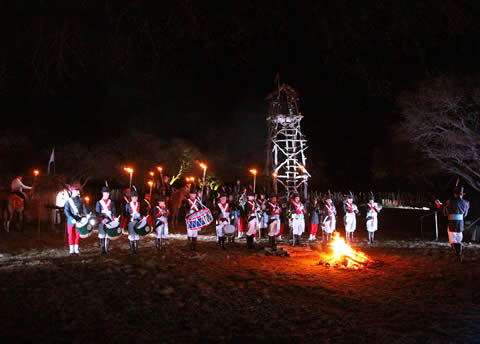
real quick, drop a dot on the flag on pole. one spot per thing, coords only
(52, 159)
(277, 80)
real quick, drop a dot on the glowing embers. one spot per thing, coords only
(343, 255)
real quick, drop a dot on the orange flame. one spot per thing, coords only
(344, 255)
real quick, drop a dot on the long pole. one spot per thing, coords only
(131, 173)
(203, 183)
(151, 191)
(436, 226)
(254, 181)
(163, 183)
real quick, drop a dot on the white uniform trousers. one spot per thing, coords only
(298, 224)
(350, 222)
(274, 226)
(329, 224)
(132, 235)
(252, 226)
(162, 230)
(372, 223)
(219, 228)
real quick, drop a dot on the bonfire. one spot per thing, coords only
(343, 255)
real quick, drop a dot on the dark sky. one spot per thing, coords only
(201, 71)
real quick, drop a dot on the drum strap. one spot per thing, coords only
(351, 207)
(135, 208)
(299, 207)
(252, 207)
(223, 209)
(73, 206)
(161, 212)
(275, 208)
(106, 206)
(193, 205)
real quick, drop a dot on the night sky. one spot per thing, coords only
(97, 69)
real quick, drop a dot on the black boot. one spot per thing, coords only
(274, 244)
(132, 246)
(294, 240)
(157, 243)
(102, 246)
(249, 241)
(458, 251)
(270, 241)
(163, 243)
(135, 246)
(194, 244)
(298, 240)
(222, 242)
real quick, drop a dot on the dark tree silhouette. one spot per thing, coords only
(441, 119)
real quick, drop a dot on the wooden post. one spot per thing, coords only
(38, 216)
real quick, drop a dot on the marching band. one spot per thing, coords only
(235, 213)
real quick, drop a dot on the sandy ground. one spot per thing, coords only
(419, 295)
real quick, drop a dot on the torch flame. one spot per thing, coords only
(344, 255)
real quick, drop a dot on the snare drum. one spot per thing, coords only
(144, 226)
(84, 227)
(199, 219)
(113, 229)
(229, 229)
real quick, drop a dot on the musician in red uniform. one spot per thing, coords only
(298, 218)
(251, 212)
(192, 205)
(106, 212)
(74, 209)
(223, 217)
(161, 213)
(134, 211)
(273, 211)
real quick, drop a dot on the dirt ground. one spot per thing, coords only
(419, 295)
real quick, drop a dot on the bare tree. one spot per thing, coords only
(441, 119)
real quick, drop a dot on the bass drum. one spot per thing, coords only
(199, 219)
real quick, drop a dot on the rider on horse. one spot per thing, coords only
(17, 188)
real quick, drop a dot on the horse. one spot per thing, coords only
(175, 203)
(13, 207)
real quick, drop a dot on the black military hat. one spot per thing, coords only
(105, 189)
(193, 189)
(273, 194)
(458, 190)
(250, 192)
(222, 194)
(371, 198)
(133, 193)
(349, 195)
(328, 195)
(161, 198)
(295, 194)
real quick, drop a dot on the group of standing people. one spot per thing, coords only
(249, 214)
(138, 219)
(241, 214)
